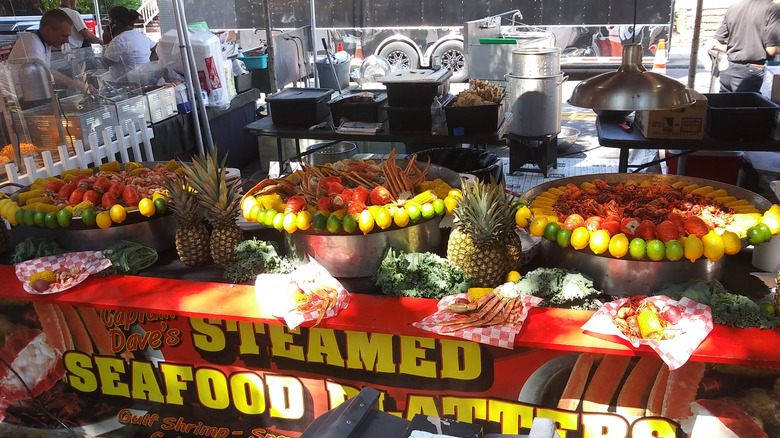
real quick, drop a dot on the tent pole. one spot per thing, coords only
(99, 27)
(181, 29)
(695, 44)
(269, 36)
(314, 43)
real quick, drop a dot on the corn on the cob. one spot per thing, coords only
(42, 207)
(71, 172)
(737, 203)
(650, 325)
(172, 165)
(130, 165)
(691, 187)
(83, 205)
(678, 185)
(87, 172)
(475, 293)
(424, 197)
(46, 275)
(725, 199)
(703, 190)
(40, 200)
(138, 171)
(24, 196)
(112, 166)
(717, 193)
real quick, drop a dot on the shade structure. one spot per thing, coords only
(631, 87)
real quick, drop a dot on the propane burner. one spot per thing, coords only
(541, 151)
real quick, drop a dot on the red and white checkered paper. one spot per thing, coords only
(694, 326)
(90, 262)
(499, 336)
(305, 278)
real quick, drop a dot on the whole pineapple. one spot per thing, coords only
(220, 202)
(192, 238)
(480, 244)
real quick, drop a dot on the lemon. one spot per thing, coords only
(401, 217)
(290, 222)
(247, 204)
(303, 220)
(521, 216)
(714, 248)
(159, 195)
(450, 202)
(732, 244)
(536, 228)
(512, 276)
(775, 209)
(384, 219)
(366, 222)
(599, 241)
(693, 248)
(618, 245)
(772, 220)
(455, 193)
(103, 219)
(580, 238)
(118, 213)
(146, 207)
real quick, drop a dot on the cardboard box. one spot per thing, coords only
(685, 123)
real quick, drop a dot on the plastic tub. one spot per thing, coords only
(482, 164)
(254, 60)
(299, 106)
(350, 107)
(325, 74)
(740, 116)
(474, 120)
(416, 87)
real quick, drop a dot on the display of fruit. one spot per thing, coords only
(220, 202)
(351, 196)
(484, 243)
(654, 221)
(114, 188)
(192, 237)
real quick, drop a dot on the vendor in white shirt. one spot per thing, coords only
(126, 47)
(54, 31)
(80, 36)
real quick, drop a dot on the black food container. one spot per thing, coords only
(746, 116)
(416, 87)
(359, 106)
(299, 106)
(474, 120)
(411, 118)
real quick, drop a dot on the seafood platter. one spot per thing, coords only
(346, 214)
(633, 232)
(90, 208)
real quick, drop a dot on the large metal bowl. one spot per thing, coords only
(625, 276)
(357, 255)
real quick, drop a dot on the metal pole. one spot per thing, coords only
(209, 144)
(99, 27)
(181, 29)
(314, 45)
(695, 44)
(269, 36)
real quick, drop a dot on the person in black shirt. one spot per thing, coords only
(749, 35)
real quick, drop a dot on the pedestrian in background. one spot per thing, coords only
(749, 35)
(80, 36)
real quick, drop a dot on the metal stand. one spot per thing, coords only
(541, 151)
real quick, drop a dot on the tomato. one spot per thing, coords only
(573, 221)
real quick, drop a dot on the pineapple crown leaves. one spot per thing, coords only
(207, 176)
(485, 209)
(180, 198)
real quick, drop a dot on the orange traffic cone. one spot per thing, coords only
(615, 43)
(659, 62)
(357, 60)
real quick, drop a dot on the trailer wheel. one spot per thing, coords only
(450, 56)
(400, 55)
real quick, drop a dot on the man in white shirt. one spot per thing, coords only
(54, 31)
(80, 34)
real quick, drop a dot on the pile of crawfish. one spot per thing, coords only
(638, 318)
(492, 309)
(653, 203)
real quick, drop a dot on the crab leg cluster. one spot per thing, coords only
(489, 310)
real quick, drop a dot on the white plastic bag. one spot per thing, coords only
(768, 88)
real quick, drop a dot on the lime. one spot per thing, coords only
(269, 217)
(333, 224)
(51, 220)
(768, 307)
(88, 217)
(319, 221)
(551, 231)
(755, 236)
(438, 206)
(278, 221)
(63, 218)
(656, 250)
(599, 241)
(414, 211)
(349, 223)
(563, 237)
(674, 250)
(19, 216)
(39, 217)
(637, 248)
(427, 211)
(260, 218)
(580, 238)
(618, 245)
(765, 231)
(518, 203)
(160, 205)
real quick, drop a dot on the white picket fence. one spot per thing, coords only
(131, 136)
